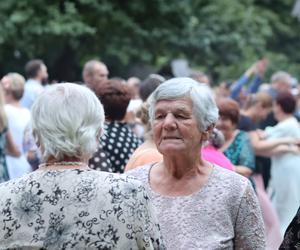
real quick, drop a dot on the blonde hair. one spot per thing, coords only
(16, 87)
(3, 118)
(261, 97)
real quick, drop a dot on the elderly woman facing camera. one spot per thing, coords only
(65, 204)
(200, 205)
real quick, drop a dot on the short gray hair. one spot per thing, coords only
(204, 105)
(282, 76)
(66, 120)
(89, 66)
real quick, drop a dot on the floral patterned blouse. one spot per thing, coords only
(76, 209)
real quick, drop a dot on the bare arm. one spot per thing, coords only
(284, 148)
(243, 170)
(264, 147)
(11, 148)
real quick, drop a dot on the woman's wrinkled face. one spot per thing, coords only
(175, 127)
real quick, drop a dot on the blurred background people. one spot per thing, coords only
(37, 76)
(94, 73)
(18, 118)
(147, 151)
(211, 151)
(237, 146)
(7, 145)
(285, 174)
(119, 141)
(256, 109)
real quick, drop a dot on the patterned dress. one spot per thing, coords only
(76, 209)
(292, 235)
(115, 148)
(240, 152)
(3, 168)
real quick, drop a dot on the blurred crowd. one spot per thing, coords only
(256, 134)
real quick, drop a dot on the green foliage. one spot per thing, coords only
(222, 38)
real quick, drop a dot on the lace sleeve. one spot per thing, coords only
(249, 227)
(150, 235)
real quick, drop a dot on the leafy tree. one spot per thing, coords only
(220, 37)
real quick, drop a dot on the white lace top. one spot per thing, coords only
(224, 214)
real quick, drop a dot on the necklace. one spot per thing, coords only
(63, 165)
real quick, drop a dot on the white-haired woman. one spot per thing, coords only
(18, 119)
(64, 204)
(200, 205)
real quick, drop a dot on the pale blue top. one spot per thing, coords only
(31, 91)
(285, 174)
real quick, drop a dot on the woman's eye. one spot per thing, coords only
(157, 117)
(180, 117)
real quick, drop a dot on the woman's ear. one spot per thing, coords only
(36, 138)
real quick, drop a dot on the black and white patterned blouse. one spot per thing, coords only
(116, 146)
(76, 209)
(292, 235)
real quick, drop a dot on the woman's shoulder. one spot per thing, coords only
(230, 180)
(141, 173)
(242, 134)
(143, 156)
(93, 180)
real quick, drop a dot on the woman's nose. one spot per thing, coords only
(170, 121)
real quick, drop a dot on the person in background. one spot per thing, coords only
(200, 77)
(211, 152)
(257, 107)
(200, 205)
(118, 142)
(65, 204)
(33, 155)
(292, 234)
(134, 84)
(149, 85)
(134, 105)
(281, 81)
(94, 74)
(7, 145)
(285, 173)
(18, 118)
(237, 89)
(147, 152)
(237, 147)
(37, 75)
(223, 90)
